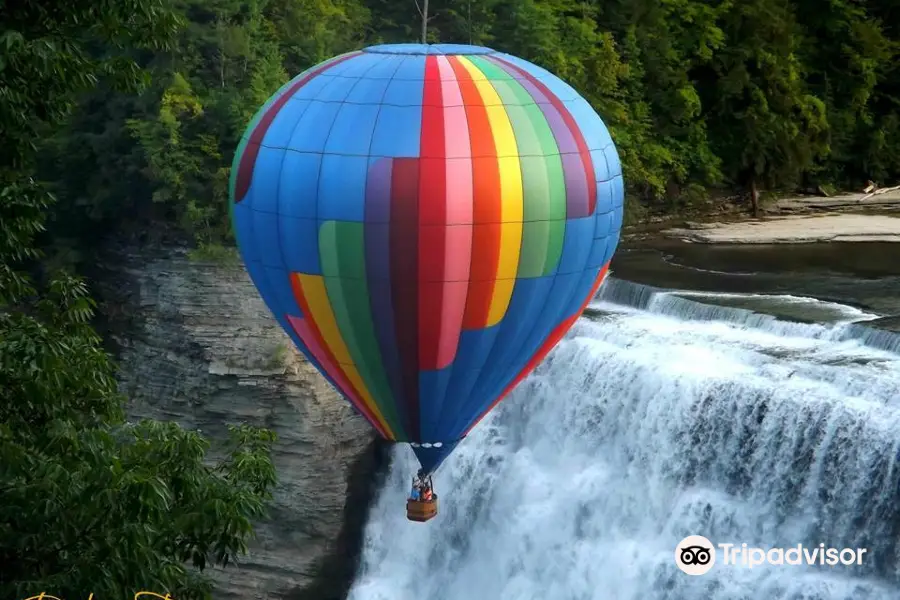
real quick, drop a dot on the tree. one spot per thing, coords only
(845, 75)
(89, 502)
(766, 125)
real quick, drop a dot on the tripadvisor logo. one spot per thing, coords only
(696, 555)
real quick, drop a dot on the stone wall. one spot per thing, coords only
(196, 344)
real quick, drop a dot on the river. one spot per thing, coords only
(746, 411)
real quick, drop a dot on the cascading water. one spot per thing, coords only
(657, 418)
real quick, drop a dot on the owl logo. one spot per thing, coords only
(695, 555)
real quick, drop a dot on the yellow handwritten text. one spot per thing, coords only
(46, 596)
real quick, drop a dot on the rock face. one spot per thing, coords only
(795, 230)
(196, 345)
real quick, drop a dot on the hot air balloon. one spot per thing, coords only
(426, 222)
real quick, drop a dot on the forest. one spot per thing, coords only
(705, 99)
(120, 119)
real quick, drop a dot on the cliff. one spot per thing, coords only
(196, 344)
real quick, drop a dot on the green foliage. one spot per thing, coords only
(698, 95)
(88, 502)
(129, 111)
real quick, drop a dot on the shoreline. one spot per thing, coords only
(801, 220)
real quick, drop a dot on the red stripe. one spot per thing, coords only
(326, 358)
(251, 150)
(404, 253)
(432, 218)
(486, 202)
(583, 150)
(552, 340)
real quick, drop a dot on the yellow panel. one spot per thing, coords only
(512, 200)
(316, 295)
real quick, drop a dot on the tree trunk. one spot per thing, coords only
(754, 197)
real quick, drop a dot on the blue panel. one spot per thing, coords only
(299, 185)
(260, 279)
(243, 230)
(602, 224)
(385, 68)
(395, 48)
(612, 160)
(471, 358)
(398, 131)
(405, 92)
(357, 66)
(592, 128)
(455, 416)
(368, 91)
(338, 90)
(557, 300)
(525, 313)
(599, 253)
(300, 245)
(618, 191)
(432, 392)
(313, 88)
(601, 169)
(605, 197)
(314, 126)
(474, 348)
(279, 133)
(283, 294)
(611, 247)
(266, 175)
(265, 226)
(564, 289)
(431, 458)
(560, 89)
(336, 68)
(411, 68)
(577, 244)
(580, 294)
(352, 130)
(342, 188)
(422, 49)
(460, 49)
(618, 214)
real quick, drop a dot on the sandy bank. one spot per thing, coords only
(842, 203)
(795, 230)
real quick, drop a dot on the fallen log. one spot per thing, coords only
(879, 191)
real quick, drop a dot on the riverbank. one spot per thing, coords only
(794, 230)
(799, 220)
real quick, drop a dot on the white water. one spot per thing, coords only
(643, 428)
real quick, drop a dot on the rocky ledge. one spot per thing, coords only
(794, 230)
(196, 345)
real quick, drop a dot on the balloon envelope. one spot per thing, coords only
(426, 222)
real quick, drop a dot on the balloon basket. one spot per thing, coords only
(422, 510)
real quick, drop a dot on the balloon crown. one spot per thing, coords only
(429, 49)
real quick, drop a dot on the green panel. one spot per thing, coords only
(536, 187)
(543, 179)
(490, 70)
(342, 250)
(555, 244)
(535, 240)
